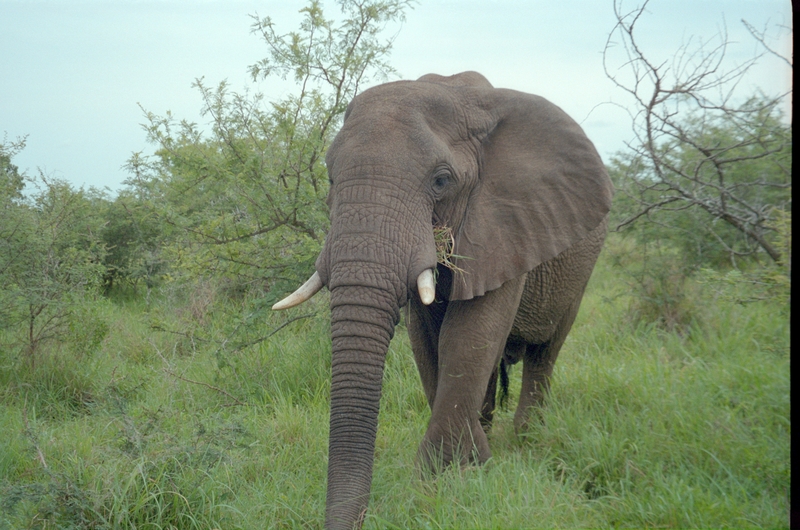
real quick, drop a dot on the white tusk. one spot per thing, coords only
(306, 291)
(426, 287)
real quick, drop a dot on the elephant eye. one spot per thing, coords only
(441, 179)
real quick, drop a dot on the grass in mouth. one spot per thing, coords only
(445, 242)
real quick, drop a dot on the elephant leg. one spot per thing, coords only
(472, 338)
(513, 352)
(537, 368)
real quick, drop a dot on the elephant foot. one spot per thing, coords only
(531, 420)
(431, 463)
(436, 454)
(528, 417)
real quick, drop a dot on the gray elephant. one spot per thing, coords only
(526, 196)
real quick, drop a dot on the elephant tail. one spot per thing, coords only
(504, 366)
(512, 354)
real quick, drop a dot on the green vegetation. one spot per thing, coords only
(710, 170)
(644, 427)
(245, 201)
(145, 384)
(704, 189)
(50, 263)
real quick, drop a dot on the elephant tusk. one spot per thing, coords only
(306, 291)
(426, 287)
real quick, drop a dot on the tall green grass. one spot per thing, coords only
(158, 429)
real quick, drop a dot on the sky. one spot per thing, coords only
(75, 76)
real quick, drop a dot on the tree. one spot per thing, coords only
(50, 261)
(11, 181)
(247, 199)
(132, 236)
(712, 171)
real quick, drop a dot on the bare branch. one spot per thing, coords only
(695, 147)
(760, 36)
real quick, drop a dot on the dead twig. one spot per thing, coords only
(212, 387)
(273, 332)
(169, 371)
(32, 437)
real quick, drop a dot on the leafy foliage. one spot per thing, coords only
(133, 236)
(50, 262)
(11, 181)
(246, 200)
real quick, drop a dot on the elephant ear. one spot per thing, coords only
(541, 188)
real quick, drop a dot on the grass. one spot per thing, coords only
(445, 242)
(644, 428)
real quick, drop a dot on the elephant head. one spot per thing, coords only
(513, 177)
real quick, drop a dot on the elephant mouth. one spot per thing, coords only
(445, 241)
(426, 287)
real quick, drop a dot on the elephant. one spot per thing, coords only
(526, 197)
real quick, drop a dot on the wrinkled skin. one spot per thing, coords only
(527, 197)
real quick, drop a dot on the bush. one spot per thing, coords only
(50, 265)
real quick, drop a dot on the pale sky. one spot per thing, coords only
(73, 72)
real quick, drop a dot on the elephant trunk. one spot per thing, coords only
(360, 331)
(370, 264)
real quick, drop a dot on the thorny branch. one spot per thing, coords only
(169, 371)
